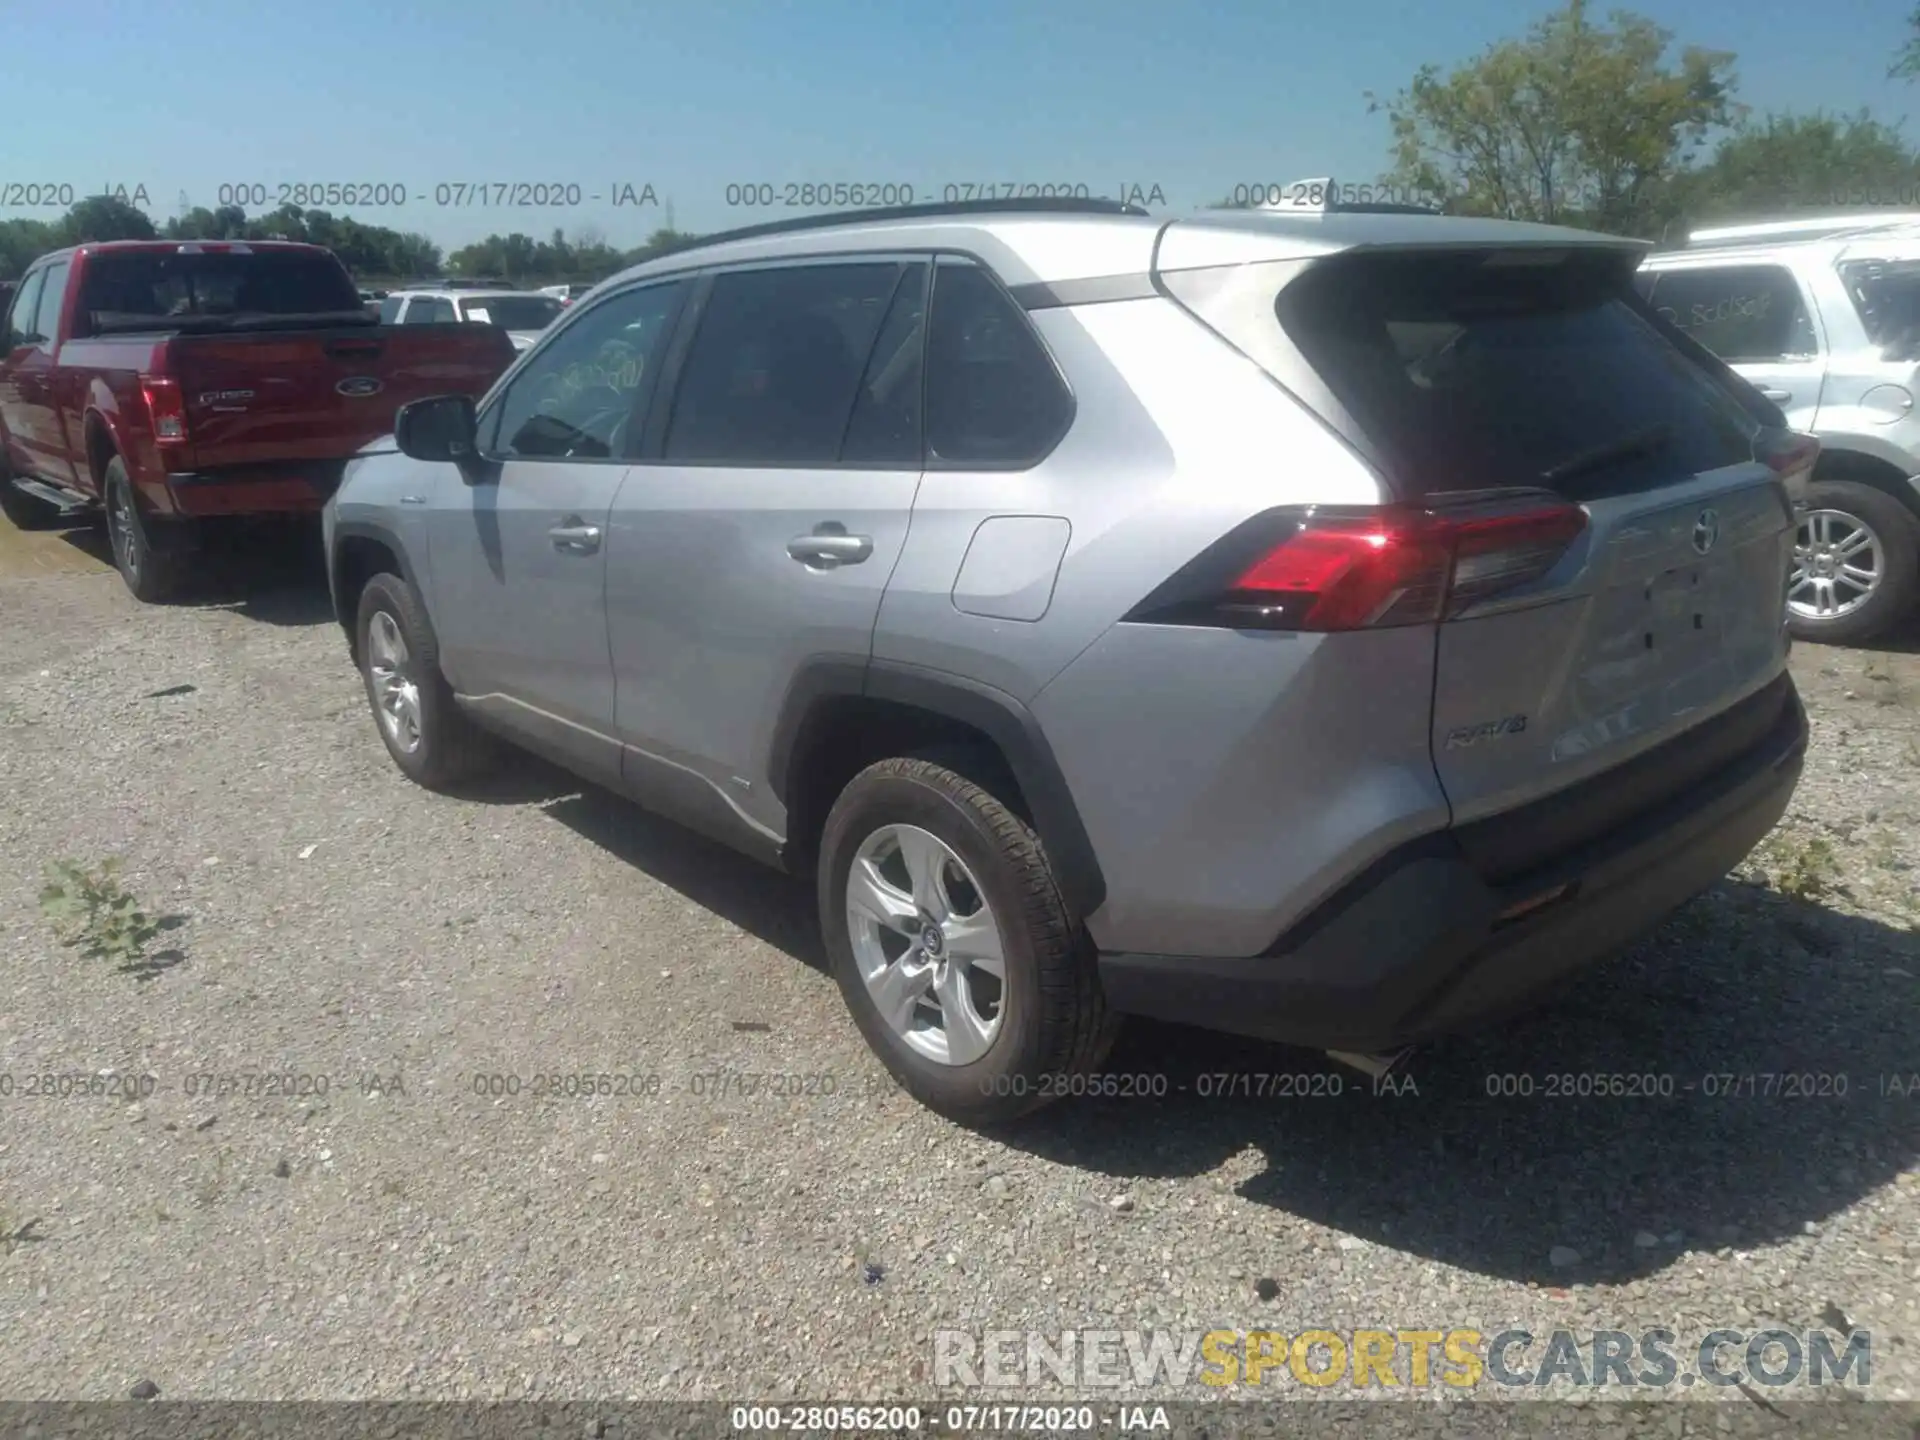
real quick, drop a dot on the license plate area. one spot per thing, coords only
(1681, 605)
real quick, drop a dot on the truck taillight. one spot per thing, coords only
(166, 407)
(1319, 569)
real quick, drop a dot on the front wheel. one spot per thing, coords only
(953, 946)
(429, 739)
(1856, 564)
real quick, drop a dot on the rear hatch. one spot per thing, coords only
(1532, 375)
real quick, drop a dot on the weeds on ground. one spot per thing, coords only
(1809, 869)
(95, 912)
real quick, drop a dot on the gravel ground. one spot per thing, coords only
(402, 1236)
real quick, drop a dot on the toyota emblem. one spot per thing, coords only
(1706, 530)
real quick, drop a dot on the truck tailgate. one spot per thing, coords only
(269, 396)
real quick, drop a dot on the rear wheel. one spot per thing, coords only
(953, 947)
(153, 572)
(1856, 564)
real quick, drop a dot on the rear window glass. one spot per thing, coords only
(512, 312)
(1887, 295)
(140, 288)
(1473, 376)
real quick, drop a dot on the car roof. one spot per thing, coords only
(176, 247)
(1830, 239)
(1049, 247)
(431, 294)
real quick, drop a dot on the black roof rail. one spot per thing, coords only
(1030, 205)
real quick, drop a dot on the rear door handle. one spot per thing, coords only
(1777, 396)
(575, 537)
(829, 546)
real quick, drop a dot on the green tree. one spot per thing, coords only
(105, 217)
(1799, 162)
(1907, 64)
(1575, 123)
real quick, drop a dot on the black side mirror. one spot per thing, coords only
(441, 428)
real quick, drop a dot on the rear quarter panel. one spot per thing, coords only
(1226, 779)
(98, 384)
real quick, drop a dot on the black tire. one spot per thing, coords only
(450, 747)
(154, 573)
(27, 512)
(1899, 536)
(1055, 1024)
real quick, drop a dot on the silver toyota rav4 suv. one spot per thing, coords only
(1335, 628)
(1823, 315)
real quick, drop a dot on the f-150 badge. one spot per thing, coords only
(1492, 730)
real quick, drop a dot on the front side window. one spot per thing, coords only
(53, 290)
(20, 329)
(1739, 312)
(773, 372)
(580, 396)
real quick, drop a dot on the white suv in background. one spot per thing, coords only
(523, 314)
(1824, 316)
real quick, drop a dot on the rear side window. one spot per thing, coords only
(430, 310)
(1474, 373)
(390, 308)
(133, 290)
(1739, 312)
(885, 426)
(53, 291)
(1887, 295)
(993, 395)
(776, 364)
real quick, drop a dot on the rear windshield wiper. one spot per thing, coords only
(1649, 441)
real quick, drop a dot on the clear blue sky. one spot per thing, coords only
(187, 95)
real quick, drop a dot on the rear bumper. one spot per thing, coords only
(292, 488)
(1425, 944)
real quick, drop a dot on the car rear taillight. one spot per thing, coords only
(1791, 455)
(1322, 569)
(166, 408)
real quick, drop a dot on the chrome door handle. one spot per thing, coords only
(827, 547)
(1776, 395)
(575, 538)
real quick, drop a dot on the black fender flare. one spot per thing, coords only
(365, 530)
(999, 716)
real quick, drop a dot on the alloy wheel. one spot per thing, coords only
(1838, 564)
(927, 944)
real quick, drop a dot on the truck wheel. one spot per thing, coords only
(153, 573)
(1856, 564)
(429, 739)
(953, 947)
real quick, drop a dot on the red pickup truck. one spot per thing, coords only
(167, 382)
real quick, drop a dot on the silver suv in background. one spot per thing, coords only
(1824, 316)
(1336, 628)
